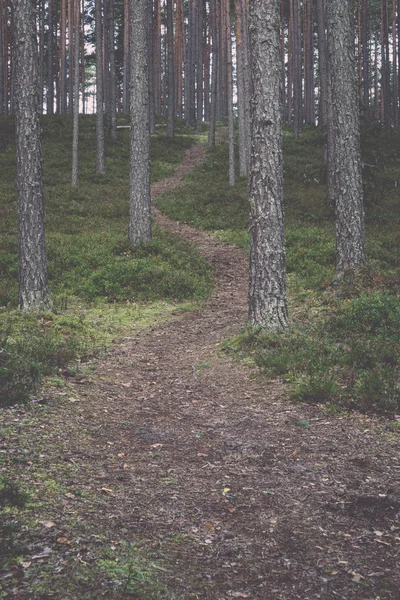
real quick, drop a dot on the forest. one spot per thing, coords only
(199, 299)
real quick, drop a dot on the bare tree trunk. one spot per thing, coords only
(267, 291)
(350, 234)
(140, 211)
(157, 57)
(82, 50)
(70, 54)
(179, 53)
(365, 58)
(190, 76)
(171, 69)
(126, 61)
(232, 177)
(241, 90)
(2, 90)
(33, 279)
(100, 153)
(214, 74)
(112, 101)
(395, 73)
(63, 64)
(322, 64)
(200, 65)
(75, 133)
(297, 70)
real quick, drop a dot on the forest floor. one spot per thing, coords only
(168, 470)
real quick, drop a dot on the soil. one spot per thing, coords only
(207, 468)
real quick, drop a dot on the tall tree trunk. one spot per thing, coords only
(267, 291)
(2, 61)
(63, 63)
(140, 211)
(350, 234)
(157, 57)
(214, 73)
(309, 62)
(242, 89)
(50, 72)
(322, 64)
(82, 50)
(179, 53)
(206, 61)
(126, 60)
(297, 69)
(33, 279)
(190, 76)
(171, 69)
(41, 51)
(395, 64)
(76, 74)
(112, 70)
(229, 78)
(71, 6)
(100, 153)
(200, 65)
(152, 107)
(365, 58)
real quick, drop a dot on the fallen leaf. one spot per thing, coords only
(238, 595)
(209, 526)
(295, 453)
(48, 524)
(126, 385)
(226, 490)
(121, 454)
(232, 510)
(106, 490)
(69, 495)
(74, 399)
(63, 540)
(356, 577)
(25, 565)
(156, 446)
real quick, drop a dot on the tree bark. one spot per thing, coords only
(126, 60)
(200, 65)
(297, 69)
(348, 192)
(214, 74)
(63, 63)
(171, 69)
(267, 291)
(2, 90)
(112, 100)
(229, 79)
(140, 212)
(76, 74)
(100, 153)
(322, 64)
(33, 279)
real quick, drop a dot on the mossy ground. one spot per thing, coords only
(99, 285)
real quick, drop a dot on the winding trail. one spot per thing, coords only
(209, 467)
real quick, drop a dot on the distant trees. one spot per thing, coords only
(33, 279)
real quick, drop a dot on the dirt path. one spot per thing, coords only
(235, 492)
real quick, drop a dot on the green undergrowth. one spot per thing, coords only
(325, 358)
(99, 286)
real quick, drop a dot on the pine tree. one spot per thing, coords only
(33, 279)
(267, 292)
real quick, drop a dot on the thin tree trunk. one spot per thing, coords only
(297, 70)
(179, 52)
(395, 74)
(100, 153)
(75, 133)
(112, 70)
(171, 69)
(2, 61)
(157, 57)
(140, 211)
(63, 63)
(240, 91)
(365, 58)
(214, 74)
(126, 61)
(267, 291)
(82, 50)
(70, 55)
(41, 51)
(350, 234)
(200, 65)
(231, 129)
(322, 64)
(33, 278)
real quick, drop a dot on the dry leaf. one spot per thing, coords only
(69, 495)
(209, 526)
(106, 490)
(121, 454)
(63, 540)
(156, 446)
(48, 524)
(232, 510)
(25, 565)
(226, 490)
(295, 453)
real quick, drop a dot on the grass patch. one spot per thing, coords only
(98, 284)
